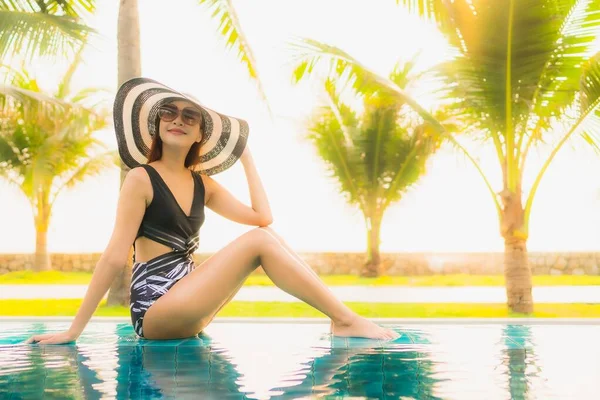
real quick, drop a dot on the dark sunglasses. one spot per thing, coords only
(189, 116)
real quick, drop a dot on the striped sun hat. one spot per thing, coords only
(135, 111)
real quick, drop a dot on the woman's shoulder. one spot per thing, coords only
(138, 174)
(140, 179)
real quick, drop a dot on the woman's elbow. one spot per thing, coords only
(113, 259)
(265, 221)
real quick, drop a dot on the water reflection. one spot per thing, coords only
(287, 361)
(363, 369)
(192, 368)
(57, 372)
(519, 358)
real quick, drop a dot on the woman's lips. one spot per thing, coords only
(176, 132)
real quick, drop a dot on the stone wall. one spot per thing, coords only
(350, 263)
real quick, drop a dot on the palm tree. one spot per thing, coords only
(130, 66)
(45, 148)
(42, 27)
(522, 70)
(376, 156)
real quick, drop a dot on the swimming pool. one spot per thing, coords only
(277, 360)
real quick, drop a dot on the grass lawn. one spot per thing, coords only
(280, 309)
(82, 278)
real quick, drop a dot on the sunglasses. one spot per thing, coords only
(189, 116)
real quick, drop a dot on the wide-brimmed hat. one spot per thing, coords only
(135, 113)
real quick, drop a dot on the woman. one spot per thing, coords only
(173, 144)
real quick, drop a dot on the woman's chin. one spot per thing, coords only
(181, 142)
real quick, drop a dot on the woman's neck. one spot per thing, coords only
(173, 161)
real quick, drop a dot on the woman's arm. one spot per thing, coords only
(221, 201)
(258, 196)
(130, 211)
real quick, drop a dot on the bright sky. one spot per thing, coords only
(450, 209)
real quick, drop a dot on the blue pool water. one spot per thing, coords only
(301, 360)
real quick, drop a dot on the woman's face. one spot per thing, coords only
(180, 124)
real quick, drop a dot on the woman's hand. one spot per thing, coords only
(53, 338)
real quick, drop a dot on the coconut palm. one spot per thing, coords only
(376, 156)
(524, 72)
(45, 148)
(129, 65)
(42, 27)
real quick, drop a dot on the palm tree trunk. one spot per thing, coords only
(42, 221)
(516, 263)
(129, 66)
(518, 276)
(372, 266)
(42, 257)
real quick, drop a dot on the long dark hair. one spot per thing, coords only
(193, 156)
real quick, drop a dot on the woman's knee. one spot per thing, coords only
(262, 238)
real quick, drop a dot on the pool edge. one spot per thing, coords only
(419, 321)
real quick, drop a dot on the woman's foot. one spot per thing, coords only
(362, 328)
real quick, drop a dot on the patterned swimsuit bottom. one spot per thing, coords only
(152, 279)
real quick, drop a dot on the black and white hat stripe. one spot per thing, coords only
(135, 111)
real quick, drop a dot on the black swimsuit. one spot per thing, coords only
(166, 223)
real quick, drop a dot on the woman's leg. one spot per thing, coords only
(227, 300)
(296, 256)
(292, 253)
(191, 303)
(289, 249)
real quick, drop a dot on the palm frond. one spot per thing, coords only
(411, 156)
(592, 141)
(590, 84)
(9, 158)
(326, 132)
(590, 101)
(64, 87)
(560, 77)
(587, 124)
(345, 116)
(72, 8)
(403, 72)
(64, 150)
(92, 97)
(8, 177)
(27, 96)
(311, 53)
(91, 167)
(30, 33)
(378, 131)
(231, 30)
(520, 66)
(437, 11)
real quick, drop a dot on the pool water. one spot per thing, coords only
(258, 360)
